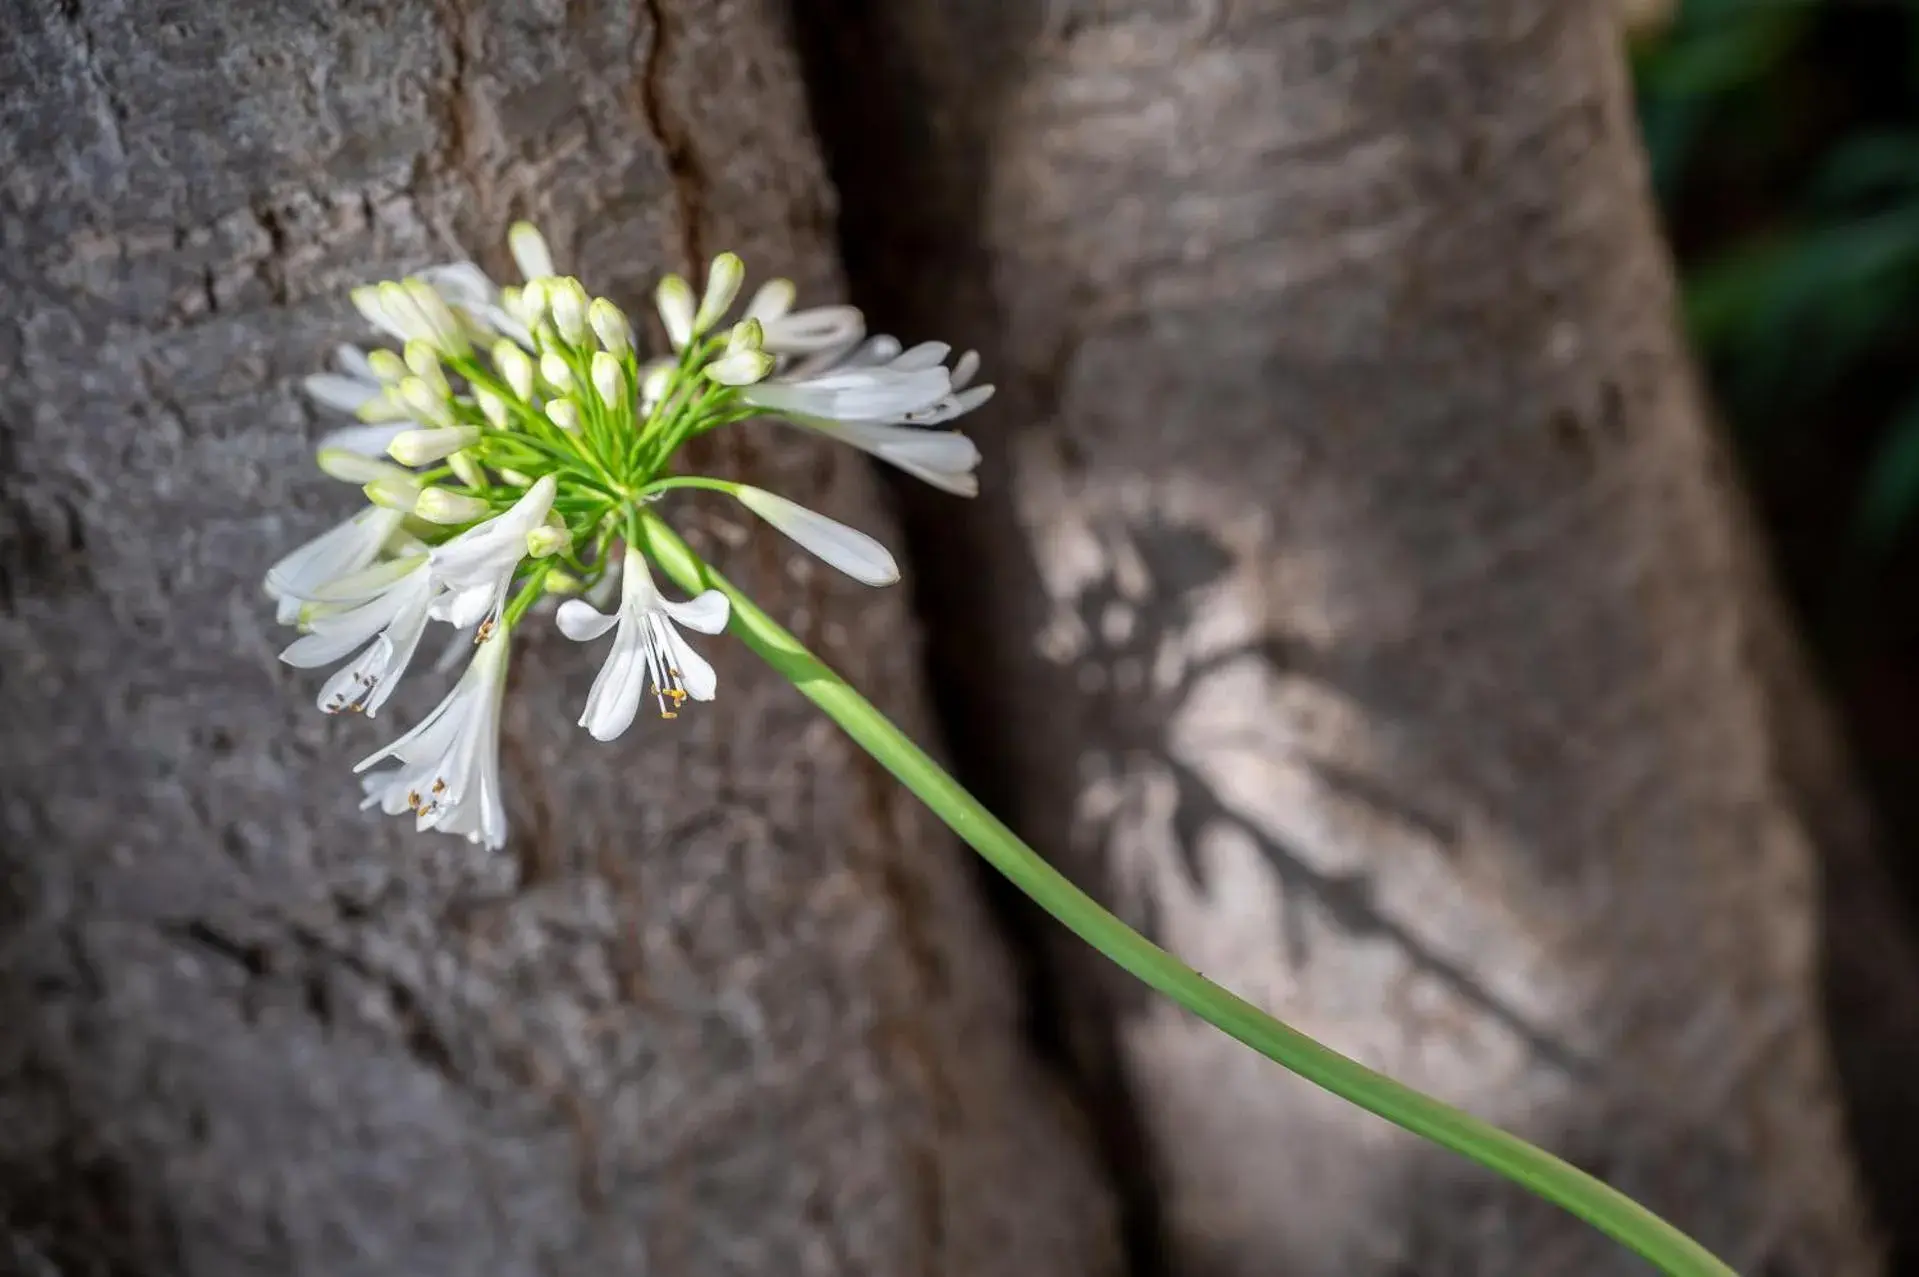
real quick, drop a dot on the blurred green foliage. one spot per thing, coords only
(1784, 143)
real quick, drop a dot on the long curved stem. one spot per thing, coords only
(1608, 1210)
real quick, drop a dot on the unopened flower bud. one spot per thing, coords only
(393, 492)
(564, 413)
(425, 403)
(569, 310)
(382, 408)
(609, 379)
(387, 366)
(560, 581)
(419, 447)
(655, 379)
(528, 246)
(748, 334)
(546, 540)
(555, 371)
(467, 469)
(492, 407)
(515, 367)
(437, 505)
(533, 302)
(609, 324)
(723, 280)
(424, 362)
(674, 297)
(744, 362)
(518, 478)
(356, 467)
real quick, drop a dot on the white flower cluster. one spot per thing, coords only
(506, 450)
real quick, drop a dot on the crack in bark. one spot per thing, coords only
(675, 139)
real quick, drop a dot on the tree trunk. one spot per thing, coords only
(1369, 609)
(725, 1004)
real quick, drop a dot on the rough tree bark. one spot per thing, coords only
(725, 1006)
(1370, 611)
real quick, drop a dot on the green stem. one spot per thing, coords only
(1608, 1210)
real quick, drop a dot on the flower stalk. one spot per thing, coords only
(1607, 1209)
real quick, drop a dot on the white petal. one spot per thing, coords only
(582, 622)
(310, 651)
(352, 361)
(342, 550)
(704, 612)
(362, 441)
(348, 683)
(696, 676)
(965, 368)
(928, 354)
(815, 329)
(954, 405)
(464, 285)
(614, 701)
(873, 394)
(368, 582)
(342, 394)
(771, 300)
(851, 551)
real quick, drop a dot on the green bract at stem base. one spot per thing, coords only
(1608, 1210)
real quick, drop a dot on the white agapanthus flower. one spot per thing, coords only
(448, 772)
(512, 450)
(342, 550)
(885, 401)
(647, 648)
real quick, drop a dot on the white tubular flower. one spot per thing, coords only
(449, 766)
(899, 434)
(345, 548)
(891, 391)
(944, 458)
(849, 550)
(384, 607)
(803, 332)
(477, 566)
(356, 389)
(646, 646)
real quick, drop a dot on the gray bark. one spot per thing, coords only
(1372, 615)
(726, 1005)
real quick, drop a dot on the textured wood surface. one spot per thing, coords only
(726, 1004)
(1361, 565)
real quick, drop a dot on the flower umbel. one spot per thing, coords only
(508, 447)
